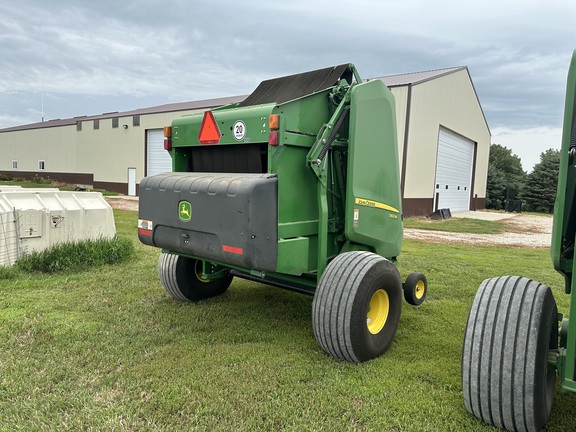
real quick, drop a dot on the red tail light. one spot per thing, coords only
(167, 144)
(273, 138)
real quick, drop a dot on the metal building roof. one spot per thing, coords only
(390, 81)
(172, 107)
(411, 79)
(417, 77)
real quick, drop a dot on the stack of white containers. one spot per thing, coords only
(35, 219)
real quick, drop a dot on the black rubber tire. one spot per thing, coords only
(342, 301)
(415, 288)
(178, 275)
(505, 376)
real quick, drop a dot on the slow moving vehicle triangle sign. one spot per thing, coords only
(209, 131)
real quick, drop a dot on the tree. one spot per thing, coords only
(504, 172)
(540, 190)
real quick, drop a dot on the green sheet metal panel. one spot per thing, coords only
(293, 256)
(373, 201)
(564, 228)
(300, 121)
(185, 130)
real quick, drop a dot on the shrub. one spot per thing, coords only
(41, 180)
(8, 272)
(77, 256)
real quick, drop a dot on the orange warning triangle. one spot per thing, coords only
(209, 131)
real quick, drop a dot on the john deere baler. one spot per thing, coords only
(296, 186)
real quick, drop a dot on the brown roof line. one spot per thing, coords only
(171, 107)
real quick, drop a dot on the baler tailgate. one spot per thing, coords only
(228, 218)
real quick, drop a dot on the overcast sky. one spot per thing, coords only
(68, 58)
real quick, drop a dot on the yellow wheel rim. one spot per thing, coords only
(198, 272)
(419, 290)
(378, 313)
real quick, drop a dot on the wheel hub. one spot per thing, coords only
(198, 272)
(378, 311)
(419, 292)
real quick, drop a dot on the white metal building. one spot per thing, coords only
(443, 140)
(112, 151)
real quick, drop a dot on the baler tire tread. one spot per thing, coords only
(410, 288)
(177, 275)
(323, 333)
(340, 304)
(167, 274)
(506, 380)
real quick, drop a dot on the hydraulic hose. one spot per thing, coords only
(334, 132)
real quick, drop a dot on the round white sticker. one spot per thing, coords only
(239, 130)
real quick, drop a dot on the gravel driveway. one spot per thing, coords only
(123, 202)
(523, 230)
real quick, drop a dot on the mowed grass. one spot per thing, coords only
(46, 183)
(460, 225)
(107, 349)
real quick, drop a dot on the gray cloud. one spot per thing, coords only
(92, 57)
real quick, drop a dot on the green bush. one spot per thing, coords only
(4, 177)
(41, 180)
(8, 272)
(77, 256)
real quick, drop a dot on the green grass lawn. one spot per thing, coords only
(107, 349)
(47, 183)
(460, 225)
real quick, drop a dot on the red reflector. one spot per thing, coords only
(273, 139)
(232, 249)
(145, 232)
(168, 144)
(209, 131)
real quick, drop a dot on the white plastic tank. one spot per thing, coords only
(11, 188)
(35, 219)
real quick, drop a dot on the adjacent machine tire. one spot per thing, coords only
(415, 288)
(181, 277)
(356, 307)
(506, 380)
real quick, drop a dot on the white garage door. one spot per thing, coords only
(453, 172)
(158, 159)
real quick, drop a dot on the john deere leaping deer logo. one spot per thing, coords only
(184, 210)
